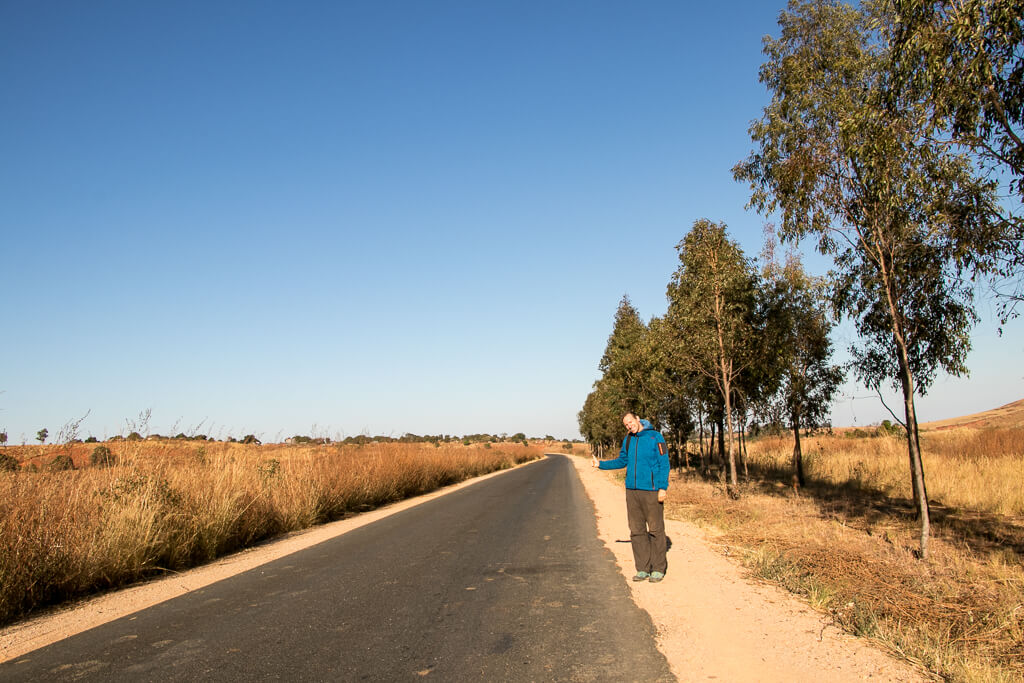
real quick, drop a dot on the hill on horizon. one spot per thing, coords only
(1009, 415)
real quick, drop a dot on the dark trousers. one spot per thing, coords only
(647, 530)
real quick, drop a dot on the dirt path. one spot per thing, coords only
(713, 624)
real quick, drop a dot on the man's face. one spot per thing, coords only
(632, 423)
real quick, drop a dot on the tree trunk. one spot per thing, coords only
(711, 444)
(914, 450)
(798, 460)
(700, 437)
(743, 444)
(733, 483)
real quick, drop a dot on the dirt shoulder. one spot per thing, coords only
(715, 624)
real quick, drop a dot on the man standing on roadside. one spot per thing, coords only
(645, 458)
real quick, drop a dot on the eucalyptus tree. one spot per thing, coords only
(626, 364)
(842, 154)
(798, 331)
(674, 389)
(626, 382)
(968, 57)
(712, 299)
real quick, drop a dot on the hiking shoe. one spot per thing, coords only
(656, 577)
(641, 576)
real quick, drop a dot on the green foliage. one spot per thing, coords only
(269, 469)
(61, 463)
(251, 439)
(134, 436)
(797, 332)
(101, 456)
(92, 439)
(42, 434)
(967, 61)
(567, 447)
(3, 438)
(8, 463)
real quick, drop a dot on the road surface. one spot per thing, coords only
(503, 580)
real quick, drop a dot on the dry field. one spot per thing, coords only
(847, 541)
(167, 505)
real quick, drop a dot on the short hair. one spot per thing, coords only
(630, 414)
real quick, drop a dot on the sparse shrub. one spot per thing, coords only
(42, 434)
(269, 469)
(251, 439)
(487, 444)
(134, 436)
(102, 457)
(889, 428)
(8, 463)
(91, 439)
(61, 463)
(567, 447)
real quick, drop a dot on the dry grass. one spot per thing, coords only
(169, 505)
(847, 542)
(981, 470)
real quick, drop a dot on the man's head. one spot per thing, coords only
(632, 423)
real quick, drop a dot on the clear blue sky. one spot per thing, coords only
(335, 218)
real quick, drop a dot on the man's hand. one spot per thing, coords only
(662, 494)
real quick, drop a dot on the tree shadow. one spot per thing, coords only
(856, 503)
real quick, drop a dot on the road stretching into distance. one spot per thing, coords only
(504, 580)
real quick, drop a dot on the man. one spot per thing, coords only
(645, 458)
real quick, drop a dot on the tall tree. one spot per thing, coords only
(842, 153)
(711, 306)
(627, 365)
(798, 330)
(625, 384)
(968, 58)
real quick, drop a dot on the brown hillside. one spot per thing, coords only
(1010, 415)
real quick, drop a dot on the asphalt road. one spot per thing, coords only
(504, 580)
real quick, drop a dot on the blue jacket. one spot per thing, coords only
(645, 457)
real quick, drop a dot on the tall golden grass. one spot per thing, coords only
(966, 468)
(169, 505)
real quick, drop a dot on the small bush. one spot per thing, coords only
(251, 439)
(102, 457)
(91, 439)
(61, 463)
(8, 463)
(567, 447)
